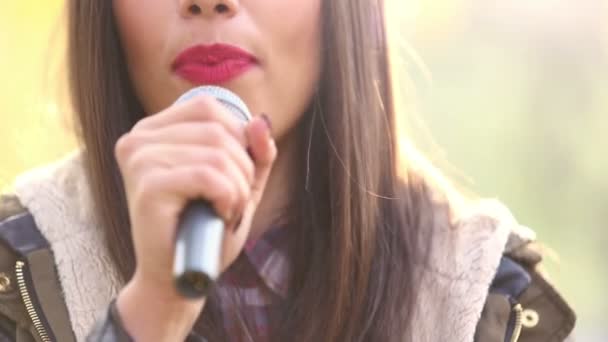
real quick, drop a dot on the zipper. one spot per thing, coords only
(29, 304)
(518, 322)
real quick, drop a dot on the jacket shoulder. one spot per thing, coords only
(31, 299)
(15, 324)
(545, 312)
(18, 230)
(522, 304)
(10, 206)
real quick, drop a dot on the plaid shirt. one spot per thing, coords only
(259, 278)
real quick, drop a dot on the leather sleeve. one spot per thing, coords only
(111, 329)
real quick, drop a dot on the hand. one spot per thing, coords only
(195, 149)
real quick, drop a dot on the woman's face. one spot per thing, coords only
(275, 71)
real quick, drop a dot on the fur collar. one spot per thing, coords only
(455, 282)
(58, 198)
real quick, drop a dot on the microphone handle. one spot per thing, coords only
(200, 231)
(198, 249)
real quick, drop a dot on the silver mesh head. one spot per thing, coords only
(229, 99)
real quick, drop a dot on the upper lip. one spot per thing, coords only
(211, 55)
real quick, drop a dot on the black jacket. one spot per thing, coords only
(521, 305)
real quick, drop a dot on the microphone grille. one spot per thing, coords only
(227, 98)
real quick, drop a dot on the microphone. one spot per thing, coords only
(198, 245)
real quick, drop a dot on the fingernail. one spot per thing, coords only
(267, 121)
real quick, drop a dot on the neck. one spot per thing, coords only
(279, 188)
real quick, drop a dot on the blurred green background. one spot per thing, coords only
(513, 92)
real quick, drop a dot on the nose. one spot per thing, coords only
(208, 8)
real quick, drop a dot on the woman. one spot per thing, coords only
(331, 234)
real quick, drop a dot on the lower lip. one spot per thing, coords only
(213, 73)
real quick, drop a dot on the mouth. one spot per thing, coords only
(212, 64)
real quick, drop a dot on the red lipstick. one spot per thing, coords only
(212, 64)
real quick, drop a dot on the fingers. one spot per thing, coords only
(188, 183)
(263, 150)
(193, 153)
(198, 109)
(209, 134)
(210, 169)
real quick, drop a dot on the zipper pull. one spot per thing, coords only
(517, 309)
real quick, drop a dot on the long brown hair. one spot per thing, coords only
(358, 223)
